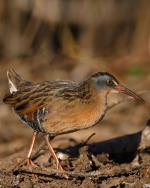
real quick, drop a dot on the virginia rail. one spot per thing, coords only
(59, 107)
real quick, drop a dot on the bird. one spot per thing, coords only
(56, 107)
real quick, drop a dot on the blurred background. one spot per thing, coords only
(71, 39)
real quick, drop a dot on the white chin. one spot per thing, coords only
(114, 91)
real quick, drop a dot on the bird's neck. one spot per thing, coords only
(85, 90)
(94, 104)
(89, 94)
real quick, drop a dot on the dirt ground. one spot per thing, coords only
(85, 165)
(116, 156)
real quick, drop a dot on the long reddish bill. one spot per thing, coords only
(122, 89)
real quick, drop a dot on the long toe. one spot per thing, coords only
(31, 164)
(58, 166)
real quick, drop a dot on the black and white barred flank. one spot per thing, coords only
(36, 123)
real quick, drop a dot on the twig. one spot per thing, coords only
(88, 138)
(68, 174)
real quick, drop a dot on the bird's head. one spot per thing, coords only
(104, 81)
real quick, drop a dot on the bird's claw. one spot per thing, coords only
(31, 164)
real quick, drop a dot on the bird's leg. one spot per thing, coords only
(30, 163)
(52, 152)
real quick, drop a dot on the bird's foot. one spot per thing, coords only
(31, 164)
(58, 166)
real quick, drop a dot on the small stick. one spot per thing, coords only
(62, 174)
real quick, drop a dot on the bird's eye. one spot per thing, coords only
(110, 83)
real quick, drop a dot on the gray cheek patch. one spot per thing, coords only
(101, 84)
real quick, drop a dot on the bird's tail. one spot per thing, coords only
(15, 81)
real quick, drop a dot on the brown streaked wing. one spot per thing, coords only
(37, 96)
(26, 101)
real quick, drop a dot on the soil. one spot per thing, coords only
(84, 166)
